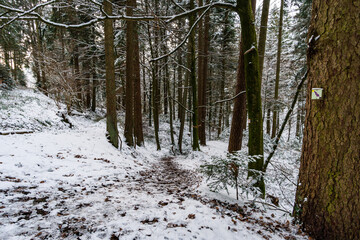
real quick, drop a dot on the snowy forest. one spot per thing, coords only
(180, 119)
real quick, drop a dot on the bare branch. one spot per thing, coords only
(229, 99)
(31, 15)
(186, 37)
(199, 9)
(181, 105)
(285, 121)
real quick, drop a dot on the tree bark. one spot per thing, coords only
(154, 86)
(262, 35)
(138, 121)
(195, 127)
(328, 193)
(239, 112)
(133, 112)
(111, 118)
(203, 49)
(277, 78)
(238, 122)
(253, 90)
(130, 77)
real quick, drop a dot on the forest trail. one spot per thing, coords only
(52, 188)
(167, 177)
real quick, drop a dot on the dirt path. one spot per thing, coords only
(168, 178)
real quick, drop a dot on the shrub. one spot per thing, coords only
(231, 171)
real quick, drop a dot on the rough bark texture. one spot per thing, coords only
(253, 89)
(133, 114)
(328, 194)
(238, 122)
(111, 118)
(239, 112)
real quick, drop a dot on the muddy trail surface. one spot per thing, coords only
(168, 178)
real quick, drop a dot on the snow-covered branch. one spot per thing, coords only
(186, 37)
(25, 12)
(32, 15)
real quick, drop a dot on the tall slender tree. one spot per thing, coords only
(192, 63)
(262, 35)
(130, 75)
(111, 118)
(277, 77)
(253, 90)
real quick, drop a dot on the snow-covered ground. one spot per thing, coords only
(62, 183)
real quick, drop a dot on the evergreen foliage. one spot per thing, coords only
(8, 82)
(231, 172)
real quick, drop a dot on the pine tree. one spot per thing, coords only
(328, 192)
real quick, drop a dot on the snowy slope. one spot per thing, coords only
(22, 109)
(72, 184)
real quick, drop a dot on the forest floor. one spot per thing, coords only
(62, 183)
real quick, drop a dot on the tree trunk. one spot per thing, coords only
(328, 193)
(277, 78)
(77, 75)
(138, 121)
(171, 112)
(195, 127)
(262, 35)
(238, 122)
(179, 83)
(253, 90)
(111, 118)
(203, 48)
(95, 83)
(222, 96)
(130, 76)
(239, 112)
(133, 111)
(183, 112)
(154, 86)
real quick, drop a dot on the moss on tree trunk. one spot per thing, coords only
(111, 119)
(253, 90)
(328, 193)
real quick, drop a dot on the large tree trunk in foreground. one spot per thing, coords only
(111, 119)
(328, 194)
